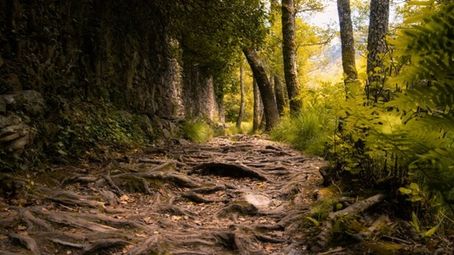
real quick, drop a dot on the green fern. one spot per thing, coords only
(412, 136)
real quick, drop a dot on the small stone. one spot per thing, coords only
(176, 218)
(261, 202)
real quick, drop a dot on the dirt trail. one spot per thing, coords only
(237, 195)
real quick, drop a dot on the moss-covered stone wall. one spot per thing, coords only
(116, 51)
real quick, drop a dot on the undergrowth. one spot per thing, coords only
(232, 129)
(94, 130)
(314, 127)
(197, 131)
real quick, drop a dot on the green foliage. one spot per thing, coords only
(231, 129)
(409, 140)
(197, 131)
(212, 33)
(304, 132)
(426, 105)
(314, 127)
(87, 130)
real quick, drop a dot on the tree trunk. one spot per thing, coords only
(289, 55)
(279, 91)
(265, 88)
(241, 112)
(348, 47)
(376, 47)
(258, 108)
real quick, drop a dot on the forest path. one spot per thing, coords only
(233, 195)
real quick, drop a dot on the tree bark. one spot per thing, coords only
(348, 47)
(376, 47)
(265, 88)
(279, 91)
(289, 55)
(241, 112)
(257, 118)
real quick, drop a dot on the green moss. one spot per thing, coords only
(322, 208)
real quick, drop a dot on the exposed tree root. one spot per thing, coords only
(174, 210)
(291, 189)
(191, 196)
(274, 152)
(9, 221)
(113, 185)
(240, 241)
(33, 221)
(103, 244)
(67, 243)
(186, 252)
(239, 207)
(209, 190)
(7, 253)
(247, 244)
(196, 242)
(325, 235)
(180, 180)
(149, 246)
(132, 183)
(268, 239)
(27, 242)
(71, 198)
(70, 220)
(358, 207)
(79, 179)
(109, 197)
(229, 170)
(149, 204)
(274, 227)
(117, 223)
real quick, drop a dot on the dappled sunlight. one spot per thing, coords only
(227, 127)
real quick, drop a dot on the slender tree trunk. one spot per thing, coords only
(280, 95)
(265, 88)
(258, 108)
(348, 47)
(241, 112)
(289, 55)
(376, 46)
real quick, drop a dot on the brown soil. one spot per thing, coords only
(237, 195)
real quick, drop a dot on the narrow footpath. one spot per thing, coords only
(233, 195)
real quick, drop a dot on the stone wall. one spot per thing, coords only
(121, 53)
(117, 51)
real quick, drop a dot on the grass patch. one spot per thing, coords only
(197, 131)
(231, 129)
(309, 131)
